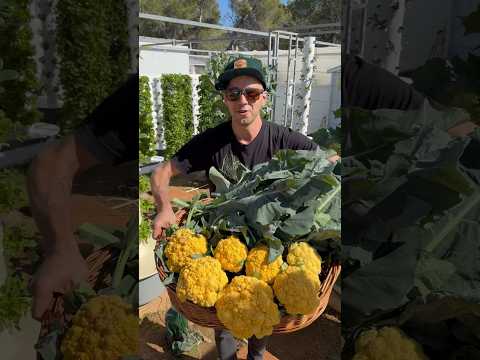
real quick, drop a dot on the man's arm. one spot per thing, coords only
(160, 181)
(49, 187)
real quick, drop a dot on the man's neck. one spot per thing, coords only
(246, 134)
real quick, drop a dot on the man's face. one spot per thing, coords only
(247, 107)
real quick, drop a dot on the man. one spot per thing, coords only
(246, 138)
(105, 138)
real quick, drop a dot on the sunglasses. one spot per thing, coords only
(251, 94)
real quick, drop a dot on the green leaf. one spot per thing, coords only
(96, 235)
(47, 346)
(299, 224)
(221, 183)
(275, 249)
(382, 284)
(432, 274)
(159, 253)
(180, 337)
(169, 279)
(472, 22)
(6, 75)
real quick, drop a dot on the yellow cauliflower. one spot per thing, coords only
(181, 246)
(258, 267)
(246, 308)
(201, 281)
(297, 289)
(231, 253)
(104, 328)
(301, 254)
(388, 343)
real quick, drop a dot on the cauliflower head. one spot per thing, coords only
(231, 253)
(181, 246)
(301, 254)
(201, 281)
(257, 265)
(104, 328)
(297, 289)
(387, 343)
(246, 308)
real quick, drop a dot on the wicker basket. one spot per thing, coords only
(207, 317)
(99, 262)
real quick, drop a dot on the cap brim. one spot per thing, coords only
(228, 75)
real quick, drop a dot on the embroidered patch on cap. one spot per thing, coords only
(240, 63)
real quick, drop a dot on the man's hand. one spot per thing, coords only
(163, 220)
(463, 129)
(333, 159)
(60, 272)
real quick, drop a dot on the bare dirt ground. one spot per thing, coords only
(319, 341)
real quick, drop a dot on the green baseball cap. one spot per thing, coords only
(243, 65)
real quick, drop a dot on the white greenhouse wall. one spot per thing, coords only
(155, 61)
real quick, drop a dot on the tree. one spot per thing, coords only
(262, 15)
(206, 11)
(315, 12)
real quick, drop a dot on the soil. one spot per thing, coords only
(319, 341)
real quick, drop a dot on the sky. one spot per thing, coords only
(225, 11)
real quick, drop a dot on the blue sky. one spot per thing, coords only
(225, 11)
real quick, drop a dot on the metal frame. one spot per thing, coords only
(221, 27)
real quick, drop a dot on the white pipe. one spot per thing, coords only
(303, 107)
(132, 21)
(195, 104)
(157, 112)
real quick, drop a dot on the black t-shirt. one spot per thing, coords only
(110, 132)
(370, 87)
(218, 147)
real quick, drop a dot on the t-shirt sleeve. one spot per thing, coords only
(370, 87)
(195, 155)
(109, 132)
(294, 140)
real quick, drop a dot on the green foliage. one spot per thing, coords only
(14, 302)
(329, 138)
(6, 127)
(313, 12)
(212, 108)
(144, 183)
(177, 111)
(261, 15)
(472, 22)
(418, 187)
(92, 44)
(147, 212)
(146, 134)
(13, 191)
(18, 95)
(17, 240)
(180, 337)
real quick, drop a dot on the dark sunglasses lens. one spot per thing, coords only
(253, 94)
(233, 95)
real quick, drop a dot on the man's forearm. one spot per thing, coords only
(49, 187)
(160, 181)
